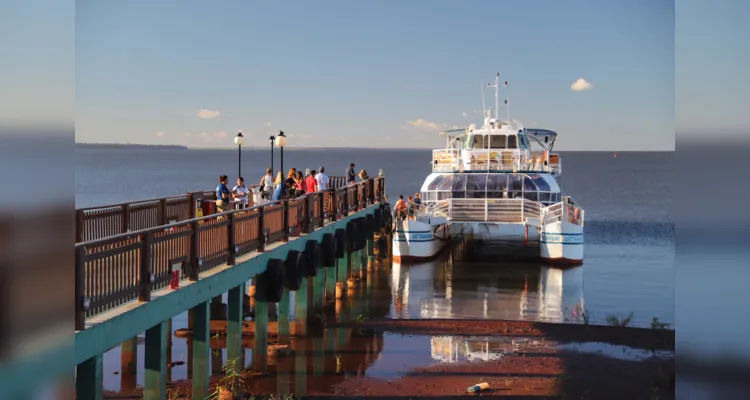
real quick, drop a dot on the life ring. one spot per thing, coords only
(269, 285)
(312, 255)
(295, 268)
(328, 247)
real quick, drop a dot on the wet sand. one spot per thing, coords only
(529, 359)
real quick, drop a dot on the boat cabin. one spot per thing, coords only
(482, 185)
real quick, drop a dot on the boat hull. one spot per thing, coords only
(562, 243)
(418, 241)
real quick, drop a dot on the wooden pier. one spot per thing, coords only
(140, 264)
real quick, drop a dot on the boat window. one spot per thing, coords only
(523, 142)
(459, 183)
(497, 182)
(478, 142)
(540, 182)
(544, 197)
(435, 182)
(476, 183)
(497, 142)
(446, 183)
(515, 182)
(530, 196)
(512, 142)
(528, 184)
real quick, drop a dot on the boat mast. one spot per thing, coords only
(507, 100)
(497, 88)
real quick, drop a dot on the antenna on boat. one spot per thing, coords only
(481, 86)
(507, 100)
(497, 81)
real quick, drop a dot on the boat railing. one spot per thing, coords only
(517, 210)
(453, 160)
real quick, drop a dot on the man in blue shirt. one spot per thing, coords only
(222, 194)
(350, 175)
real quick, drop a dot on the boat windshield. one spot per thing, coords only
(496, 142)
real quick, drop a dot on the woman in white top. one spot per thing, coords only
(239, 193)
(266, 184)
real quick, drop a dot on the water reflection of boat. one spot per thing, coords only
(451, 349)
(443, 289)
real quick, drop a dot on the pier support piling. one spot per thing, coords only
(129, 363)
(201, 350)
(90, 379)
(235, 298)
(284, 304)
(260, 351)
(155, 363)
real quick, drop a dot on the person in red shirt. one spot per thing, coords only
(311, 184)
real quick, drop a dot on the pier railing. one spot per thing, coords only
(124, 267)
(105, 221)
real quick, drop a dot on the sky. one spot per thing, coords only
(374, 73)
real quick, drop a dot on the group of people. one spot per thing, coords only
(295, 185)
(407, 208)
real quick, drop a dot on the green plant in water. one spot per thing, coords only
(617, 320)
(232, 381)
(658, 325)
(361, 319)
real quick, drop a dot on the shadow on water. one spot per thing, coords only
(475, 280)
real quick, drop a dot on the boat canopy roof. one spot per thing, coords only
(543, 137)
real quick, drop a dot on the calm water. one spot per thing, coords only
(629, 254)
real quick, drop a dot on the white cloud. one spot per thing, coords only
(424, 125)
(581, 84)
(207, 114)
(159, 133)
(187, 134)
(464, 114)
(388, 138)
(267, 123)
(220, 134)
(205, 137)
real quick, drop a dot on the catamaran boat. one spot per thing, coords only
(497, 182)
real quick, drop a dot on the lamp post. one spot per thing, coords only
(281, 142)
(272, 138)
(239, 140)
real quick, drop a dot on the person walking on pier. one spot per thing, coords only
(279, 191)
(222, 194)
(300, 180)
(350, 174)
(239, 193)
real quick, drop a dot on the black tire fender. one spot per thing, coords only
(328, 247)
(312, 256)
(269, 285)
(295, 269)
(340, 236)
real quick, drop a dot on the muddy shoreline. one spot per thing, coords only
(534, 363)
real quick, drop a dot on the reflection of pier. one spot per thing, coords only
(452, 349)
(484, 288)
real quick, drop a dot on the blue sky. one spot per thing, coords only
(372, 73)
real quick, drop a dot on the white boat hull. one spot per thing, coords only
(418, 241)
(562, 243)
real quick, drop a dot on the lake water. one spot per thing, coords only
(629, 253)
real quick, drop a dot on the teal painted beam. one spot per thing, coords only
(341, 273)
(89, 379)
(260, 350)
(300, 308)
(155, 363)
(166, 303)
(318, 293)
(235, 300)
(201, 350)
(284, 304)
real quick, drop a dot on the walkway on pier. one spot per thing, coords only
(138, 280)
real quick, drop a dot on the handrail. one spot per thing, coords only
(516, 210)
(124, 267)
(517, 160)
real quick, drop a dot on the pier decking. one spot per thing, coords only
(140, 264)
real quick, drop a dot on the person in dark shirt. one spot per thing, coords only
(222, 194)
(417, 199)
(350, 174)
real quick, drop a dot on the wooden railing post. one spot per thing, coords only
(261, 229)
(80, 225)
(124, 217)
(286, 221)
(231, 241)
(309, 213)
(80, 288)
(334, 205)
(322, 208)
(191, 205)
(162, 218)
(144, 293)
(345, 202)
(195, 252)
